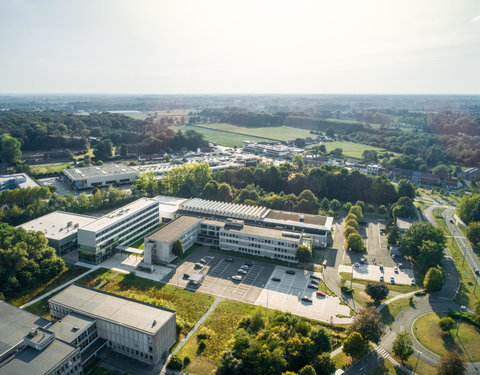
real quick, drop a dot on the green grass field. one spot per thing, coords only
(49, 169)
(274, 133)
(430, 335)
(40, 308)
(350, 149)
(70, 272)
(390, 311)
(190, 306)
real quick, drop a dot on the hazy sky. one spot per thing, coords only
(223, 46)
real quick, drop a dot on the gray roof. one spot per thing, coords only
(55, 224)
(70, 326)
(121, 310)
(174, 229)
(277, 234)
(15, 325)
(37, 362)
(99, 171)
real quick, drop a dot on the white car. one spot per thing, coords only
(237, 278)
(395, 269)
(241, 270)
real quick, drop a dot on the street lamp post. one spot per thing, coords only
(416, 364)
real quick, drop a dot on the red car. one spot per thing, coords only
(320, 294)
(313, 281)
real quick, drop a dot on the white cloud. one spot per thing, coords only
(476, 19)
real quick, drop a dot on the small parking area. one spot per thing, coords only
(218, 273)
(286, 295)
(373, 273)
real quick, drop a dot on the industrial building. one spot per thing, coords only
(98, 240)
(318, 227)
(16, 181)
(135, 329)
(60, 228)
(100, 176)
(27, 346)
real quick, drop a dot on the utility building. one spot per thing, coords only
(100, 176)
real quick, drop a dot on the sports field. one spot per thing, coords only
(350, 149)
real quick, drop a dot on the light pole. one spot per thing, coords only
(416, 364)
(462, 308)
(476, 281)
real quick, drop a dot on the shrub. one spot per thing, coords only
(446, 324)
(186, 361)
(202, 345)
(175, 363)
(370, 208)
(346, 289)
(433, 281)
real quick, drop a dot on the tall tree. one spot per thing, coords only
(10, 149)
(369, 324)
(377, 291)
(402, 346)
(473, 233)
(413, 238)
(452, 363)
(177, 248)
(355, 346)
(304, 254)
(104, 150)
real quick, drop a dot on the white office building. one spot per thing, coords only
(123, 227)
(100, 176)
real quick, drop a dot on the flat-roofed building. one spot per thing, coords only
(168, 207)
(15, 323)
(135, 329)
(60, 228)
(98, 240)
(98, 176)
(158, 245)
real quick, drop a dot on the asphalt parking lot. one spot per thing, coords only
(373, 273)
(286, 295)
(218, 275)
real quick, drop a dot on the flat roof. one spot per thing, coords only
(70, 326)
(119, 214)
(15, 325)
(174, 229)
(54, 225)
(295, 216)
(121, 310)
(37, 362)
(168, 204)
(29, 182)
(99, 171)
(277, 234)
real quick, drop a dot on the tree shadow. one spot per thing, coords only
(449, 342)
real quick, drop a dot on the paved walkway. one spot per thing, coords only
(53, 291)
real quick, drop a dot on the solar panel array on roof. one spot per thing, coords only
(239, 211)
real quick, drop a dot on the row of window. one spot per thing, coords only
(71, 366)
(259, 240)
(132, 352)
(121, 222)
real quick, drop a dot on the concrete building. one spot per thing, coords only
(158, 245)
(16, 181)
(100, 176)
(27, 346)
(60, 228)
(98, 240)
(132, 328)
(168, 207)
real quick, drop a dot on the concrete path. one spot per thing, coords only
(58, 288)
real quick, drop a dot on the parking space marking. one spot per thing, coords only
(247, 288)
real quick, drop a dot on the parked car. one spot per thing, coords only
(315, 277)
(186, 275)
(393, 256)
(400, 265)
(382, 279)
(312, 286)
(237, 278)
(306, 299)
(320, 294)
(381, 267)
(412, 281)
(203, 261)
(314, 281)
(290, 272)
(451, 220)
(242, 271)
(392, 280)
(357, 264)
(198, 265)
(275, 279)
(250, 264)
(395, 269)
(245, 267)
(362, 260)
(229, 260)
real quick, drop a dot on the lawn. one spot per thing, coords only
(390, 311)
(465, 295)
(426, 330)
(40, 308)
(190, 306)
(399, 288)
(350, 149)
(342, 360)
(96, 277)
(48, 169)
(387, 368)
(221, 324)
(452, 198)
(273, 133)
(70, 272)
(222, 138)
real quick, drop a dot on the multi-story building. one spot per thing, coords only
(132, 328)
(98, 240)
(60, 228)
(98, 176)
(27, 346)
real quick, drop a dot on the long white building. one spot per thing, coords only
(98, 240)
